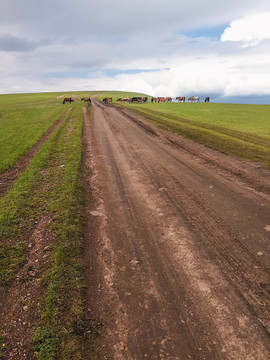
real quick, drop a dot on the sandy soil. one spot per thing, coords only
(177, 243)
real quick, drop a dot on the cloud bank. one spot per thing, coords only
(160, 48)
(249, 30)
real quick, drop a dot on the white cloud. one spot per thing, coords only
(85, 45)
(250, 29)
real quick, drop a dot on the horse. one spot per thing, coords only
(164, 99)
(181, 98)
(194, 99)
(107, 100)
(70, 100)
(125, 100)
(161, 99)
(207, 99)
(86, 99)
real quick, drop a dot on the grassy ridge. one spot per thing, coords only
(240, 130)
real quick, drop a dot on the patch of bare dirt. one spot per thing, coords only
(177, 242)
(8, 177)
(22, 300)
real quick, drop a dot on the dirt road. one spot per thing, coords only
(177, 244)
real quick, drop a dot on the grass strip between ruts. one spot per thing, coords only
(55, 337)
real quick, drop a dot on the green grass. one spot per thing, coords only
(20, 208)
(251, 119)
(50, 187)
(19, 99)
(21, 128)
(54, 337)
(240, 130)
(23, 120)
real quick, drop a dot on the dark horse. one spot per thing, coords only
(107, 100)
(70, 100)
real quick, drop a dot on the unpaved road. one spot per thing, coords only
(178, 247)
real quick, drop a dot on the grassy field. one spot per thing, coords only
(23, 120)
(51, 188)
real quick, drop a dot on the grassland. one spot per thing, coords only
(22, 123)
(52, 189)
(49, 189)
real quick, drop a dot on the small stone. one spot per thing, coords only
(135, 261)
(96, 213)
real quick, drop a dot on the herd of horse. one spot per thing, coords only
(137, 99)
(140, 99)
(161, 99)
(192, 99)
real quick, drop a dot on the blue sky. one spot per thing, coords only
(214, 32)
(170, 48)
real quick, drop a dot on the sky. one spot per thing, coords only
(171, 48)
